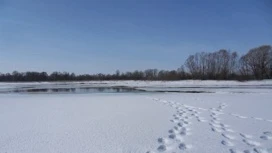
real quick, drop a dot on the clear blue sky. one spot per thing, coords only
(91, 36)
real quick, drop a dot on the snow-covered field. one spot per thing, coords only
(218, 122)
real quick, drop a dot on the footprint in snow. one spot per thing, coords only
(175, 115)
(174, 121)
(197, 112)
(239, 116)
(217, 119)
(186, 122)
(215, 114)
(247, 136)
(215, 125)
(217, 130)
(172, 136)
(227, 143)
(200, 119)
(182, 124)
(162, 140)
(186, 117)
(214, 121)
(176, 118)
(224, 125)
(177, 128)
(172, 131)
(161, 148)
(260, 150)
(184, 133)
(266, 135)
(235, 151)
(185, 129)
(228, 136)
(251, 143)
(183, 146)
(226, 129)
(195, 115)
(182, 113)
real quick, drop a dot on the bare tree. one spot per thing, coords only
(216, 65)
(258, 60)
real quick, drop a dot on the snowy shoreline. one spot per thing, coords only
(153, 83)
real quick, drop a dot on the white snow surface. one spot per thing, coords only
(183, 83)
(221, 122)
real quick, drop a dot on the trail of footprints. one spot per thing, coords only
(229, 135)
(246, 117)
(175, 140)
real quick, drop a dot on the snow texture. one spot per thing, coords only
(220, 122)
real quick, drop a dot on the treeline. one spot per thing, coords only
(224, 65)
(150, 74)
(218, 65)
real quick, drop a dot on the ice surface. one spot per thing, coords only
(186, 86)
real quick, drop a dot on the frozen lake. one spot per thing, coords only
(133, 87)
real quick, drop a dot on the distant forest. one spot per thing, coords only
(224, 64)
